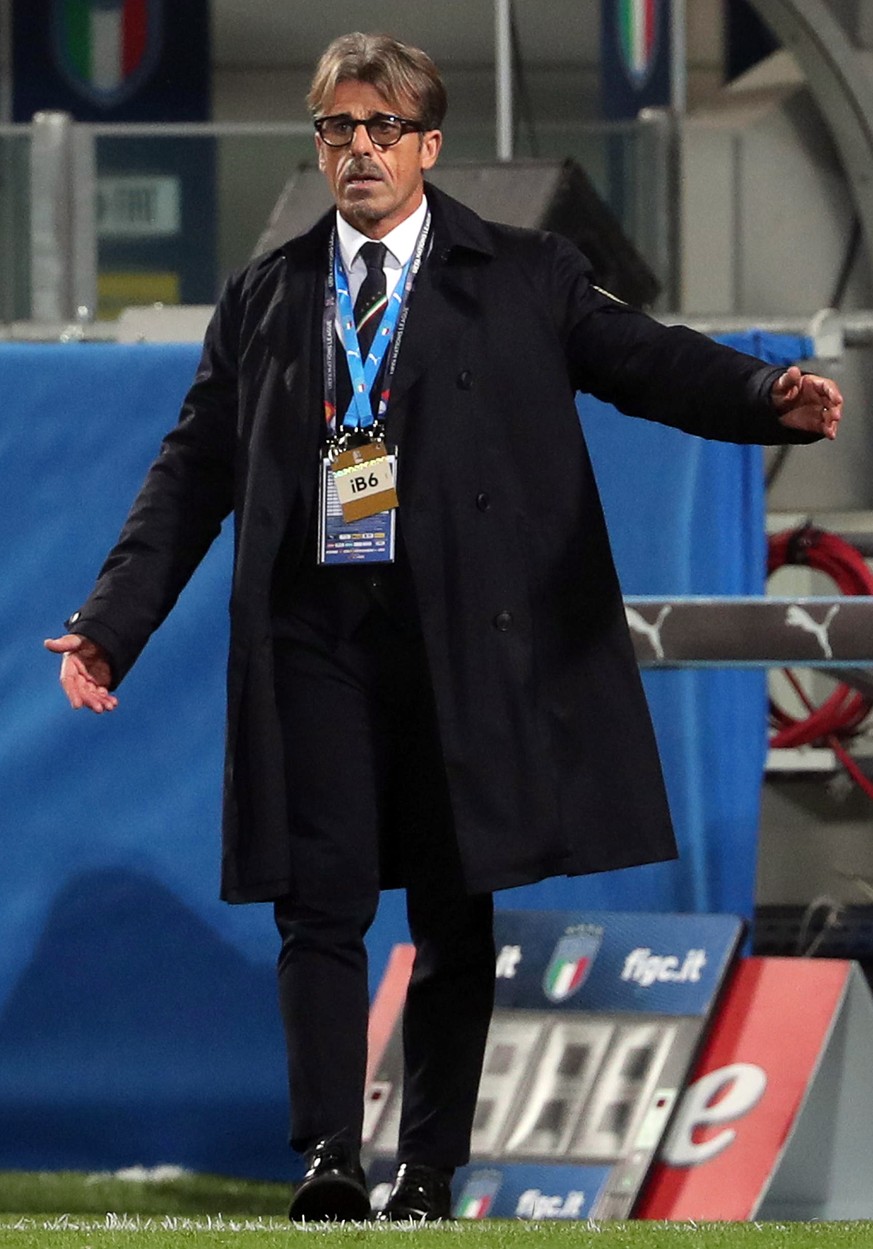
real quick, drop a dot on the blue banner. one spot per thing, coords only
(604, 960)
(635, 56)
(112, 60)
(132, 61)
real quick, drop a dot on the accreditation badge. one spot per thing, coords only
(365, 480)
(369, 536)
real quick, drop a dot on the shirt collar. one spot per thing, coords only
(400, 241)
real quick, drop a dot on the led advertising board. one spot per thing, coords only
(597, 1021)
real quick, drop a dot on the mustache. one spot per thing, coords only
(357, 168)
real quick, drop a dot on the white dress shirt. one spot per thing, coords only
(400, 243)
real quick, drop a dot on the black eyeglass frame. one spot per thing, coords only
(406, 127)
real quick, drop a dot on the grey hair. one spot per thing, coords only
(399, 72)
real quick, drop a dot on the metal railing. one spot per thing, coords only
(65, 186)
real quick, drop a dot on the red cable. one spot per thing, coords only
(841, 714)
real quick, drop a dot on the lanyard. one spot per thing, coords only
(363, 374)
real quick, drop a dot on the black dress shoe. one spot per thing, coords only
(333, 1189)
(420, 1193)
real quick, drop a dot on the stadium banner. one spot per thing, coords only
(776, 1122)
(111, 60)
(635, 56)
(597, 1021)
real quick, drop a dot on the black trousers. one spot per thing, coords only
(362, 754)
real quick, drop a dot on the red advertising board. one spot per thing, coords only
(749, 1088)
(777, 1120)
(388, 1004)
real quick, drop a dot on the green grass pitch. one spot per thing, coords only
(62, 1211)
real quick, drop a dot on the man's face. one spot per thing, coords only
(375, 188)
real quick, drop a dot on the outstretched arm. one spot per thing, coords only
(675, 375)
(806, 402)
(85, 672)
(178, 512)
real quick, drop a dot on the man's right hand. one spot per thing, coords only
(85, 672)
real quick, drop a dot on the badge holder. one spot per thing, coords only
(363, 531)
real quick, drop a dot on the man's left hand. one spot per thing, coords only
(811, 404)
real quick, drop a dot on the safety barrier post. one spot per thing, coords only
(503, 67)
(63, 233)
(655, 227)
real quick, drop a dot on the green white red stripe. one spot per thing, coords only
(474, 1207)
(105, 40)
(374, 311)
(637, 24)
(564, 977)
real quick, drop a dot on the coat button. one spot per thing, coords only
(465, 380)
(483, 501)
(503, 621)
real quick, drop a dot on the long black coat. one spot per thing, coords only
(548, 746)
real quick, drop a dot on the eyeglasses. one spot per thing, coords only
(384, 129)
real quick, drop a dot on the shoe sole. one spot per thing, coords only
(331, 1198)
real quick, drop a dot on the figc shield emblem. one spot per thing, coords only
(638, 26)
(570, 964)
(478, 1195)
(106, 48)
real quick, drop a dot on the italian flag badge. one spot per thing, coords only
(638, 37)
(106, 48)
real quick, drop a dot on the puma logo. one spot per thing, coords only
(639, 624)
(800, 618)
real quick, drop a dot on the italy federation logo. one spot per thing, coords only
(477, 1195)
(570, 964)
(106, 48)
(638, 25)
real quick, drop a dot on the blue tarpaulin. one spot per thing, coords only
(137, 1015)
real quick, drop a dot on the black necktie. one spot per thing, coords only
(371, 300)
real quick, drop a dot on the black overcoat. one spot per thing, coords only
(548, 747)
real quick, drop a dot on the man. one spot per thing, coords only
(460, 711)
